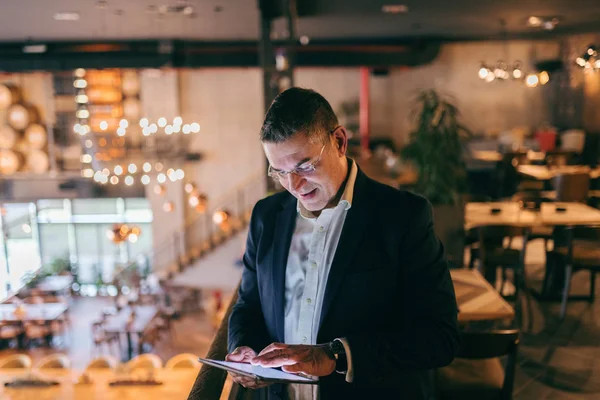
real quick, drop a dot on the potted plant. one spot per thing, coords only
(436, 151)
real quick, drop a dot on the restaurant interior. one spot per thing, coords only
(130, 162)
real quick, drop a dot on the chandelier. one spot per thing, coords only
(589, 60)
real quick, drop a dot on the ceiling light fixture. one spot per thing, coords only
(66, 16)
(547, 23)
(394, 8)
(589, 60)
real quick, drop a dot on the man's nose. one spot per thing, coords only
(295, 181)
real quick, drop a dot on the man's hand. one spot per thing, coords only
(310, 360)
(244, 354)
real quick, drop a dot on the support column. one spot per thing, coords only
(364, 114)
(277, 62)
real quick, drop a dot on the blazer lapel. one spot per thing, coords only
(350, 237)
(284, 229)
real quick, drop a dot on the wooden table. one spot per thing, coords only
(477, 299)
(496, 156)
(480, 214)
(33, 312)
(120, 323)
(544, 173)
(575, 214)
(55, 284)
(176, 385)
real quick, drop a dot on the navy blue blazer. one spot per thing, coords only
(389, 292)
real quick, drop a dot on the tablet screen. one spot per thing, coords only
(269, 374)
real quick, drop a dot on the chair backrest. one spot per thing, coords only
(16, 361)
(558, 158)
(572, 187)
(488, 344)
(148, 361)
(185, 360)
(573, 140)
(492, 344)
(492, 237)
(103, 362)
(54, 361)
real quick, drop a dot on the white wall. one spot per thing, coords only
(485, 107)
(228, 105)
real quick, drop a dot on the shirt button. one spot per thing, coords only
(313, 264)
(304, 339)
(321, 229)
(308, 300)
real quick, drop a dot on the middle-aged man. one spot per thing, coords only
(344, 278)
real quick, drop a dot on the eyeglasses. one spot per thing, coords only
(302, 170)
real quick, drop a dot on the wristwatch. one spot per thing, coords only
(336, 351)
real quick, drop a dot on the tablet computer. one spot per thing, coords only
(258, 372)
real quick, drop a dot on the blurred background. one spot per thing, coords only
(130, 162)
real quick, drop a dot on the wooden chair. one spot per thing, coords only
(9, 333)
(147, 361)
(101, 337)
(103, 362)
(477, 372)
(149, 338)
(54, 361)
(16, 361)
(572, 187)
(581, 252)
(185, 360)
(495, 251)
(36, 331)
(558, 158)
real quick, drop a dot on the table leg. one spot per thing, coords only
(129, 346)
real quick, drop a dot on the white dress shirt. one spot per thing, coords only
(312, 249)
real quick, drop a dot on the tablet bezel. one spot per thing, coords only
(216, 364)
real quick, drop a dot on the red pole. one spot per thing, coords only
(364, 110)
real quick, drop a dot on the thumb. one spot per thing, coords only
(292, 368)
(235, 355)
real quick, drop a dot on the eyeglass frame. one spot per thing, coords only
(310, 168)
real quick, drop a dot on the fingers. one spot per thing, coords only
(248, 382)
(294, 368)
(278, 357)
(241, 354)
(272, 347)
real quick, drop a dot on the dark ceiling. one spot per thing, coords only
(321, 19)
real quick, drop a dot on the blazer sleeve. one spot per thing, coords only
(424, 334)
(246, 322)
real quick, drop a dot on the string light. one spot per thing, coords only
(132, 168)
(145, 179)
(195, 127)
(129, 180)
(162, 121)
(114, 180)
(147, 167)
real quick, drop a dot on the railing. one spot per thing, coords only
(201, 234)
(210, 381)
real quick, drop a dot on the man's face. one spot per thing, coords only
(316, 189)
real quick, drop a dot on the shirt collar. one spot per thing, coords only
(347, 194)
